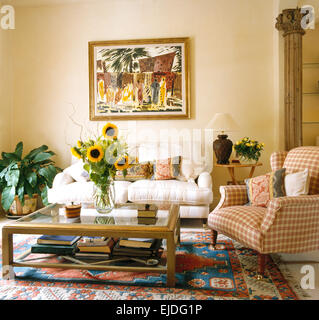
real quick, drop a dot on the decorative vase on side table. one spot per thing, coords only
(222, 146)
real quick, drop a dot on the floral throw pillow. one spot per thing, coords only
(138, 171)
(167, 169)
(262, 189)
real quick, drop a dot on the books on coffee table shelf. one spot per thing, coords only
(136, 242)
(96, 244)
(153, 250)
(57, 240)
(59, 249)
(98, 248)
(92, 255)
(52, 244)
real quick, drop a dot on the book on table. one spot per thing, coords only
(136, 242)
(92, 241)
(96, 244)
(54, 249)
(92, 255)
(147, 211)
(57, 240)
(131, 251)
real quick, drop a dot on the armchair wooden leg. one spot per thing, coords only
(262, 259)
(214, 238)
(204, 220)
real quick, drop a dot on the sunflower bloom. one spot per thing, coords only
(79, 143)
(76, 152)
(110, 131)
(95, 153)
(122, 163)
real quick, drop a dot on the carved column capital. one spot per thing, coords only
(289, 21)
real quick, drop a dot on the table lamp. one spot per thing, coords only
(222, 146)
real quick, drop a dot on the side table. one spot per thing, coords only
(231, 169)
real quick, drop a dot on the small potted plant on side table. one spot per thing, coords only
(248, 150)
(23, 179)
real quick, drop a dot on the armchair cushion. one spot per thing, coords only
(297, 184)
(263, 188)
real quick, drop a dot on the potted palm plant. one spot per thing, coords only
(23, 179)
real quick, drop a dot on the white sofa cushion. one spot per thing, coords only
(62, 179)
(194, 211)
(169, 190)
(77, 172)
(83, 192)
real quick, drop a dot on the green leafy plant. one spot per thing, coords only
(248, 149)
(30, 175)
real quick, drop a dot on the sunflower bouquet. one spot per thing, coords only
(102, 157)
(248, 149)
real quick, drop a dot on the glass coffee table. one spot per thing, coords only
(121, 222)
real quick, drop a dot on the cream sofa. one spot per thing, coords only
(192, 190)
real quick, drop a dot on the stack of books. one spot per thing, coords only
(95, 247)
(146, 214)
(136, 247)
(60, 245)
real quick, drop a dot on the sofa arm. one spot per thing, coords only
(61, 179)
(204, 180)
(289, 213)
(232, 195)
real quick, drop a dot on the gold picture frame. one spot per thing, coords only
(139, 79)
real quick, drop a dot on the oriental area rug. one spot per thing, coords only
(228, 273)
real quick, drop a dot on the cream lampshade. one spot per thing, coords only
(223, 122)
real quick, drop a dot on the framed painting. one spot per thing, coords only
(139, 79)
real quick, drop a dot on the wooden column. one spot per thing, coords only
(290, 23)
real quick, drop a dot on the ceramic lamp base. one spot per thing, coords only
(223, 148)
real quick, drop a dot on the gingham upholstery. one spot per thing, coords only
(277, 160)
(301, 158)
(291, 225)
(239, 223)
(287, 225)
(232, 195)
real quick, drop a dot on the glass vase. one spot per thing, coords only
(104, 197)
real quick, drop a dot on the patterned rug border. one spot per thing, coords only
(291, 280)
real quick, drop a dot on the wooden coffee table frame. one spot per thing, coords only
(171, 232)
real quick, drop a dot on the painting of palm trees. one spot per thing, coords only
(139, 79)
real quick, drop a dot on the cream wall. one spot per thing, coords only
(311, 84)
(5, 91)
(233, 60)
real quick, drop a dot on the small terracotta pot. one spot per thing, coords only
(72, 211)
(30, 205)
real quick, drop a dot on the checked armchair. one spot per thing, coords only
(287, 225)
